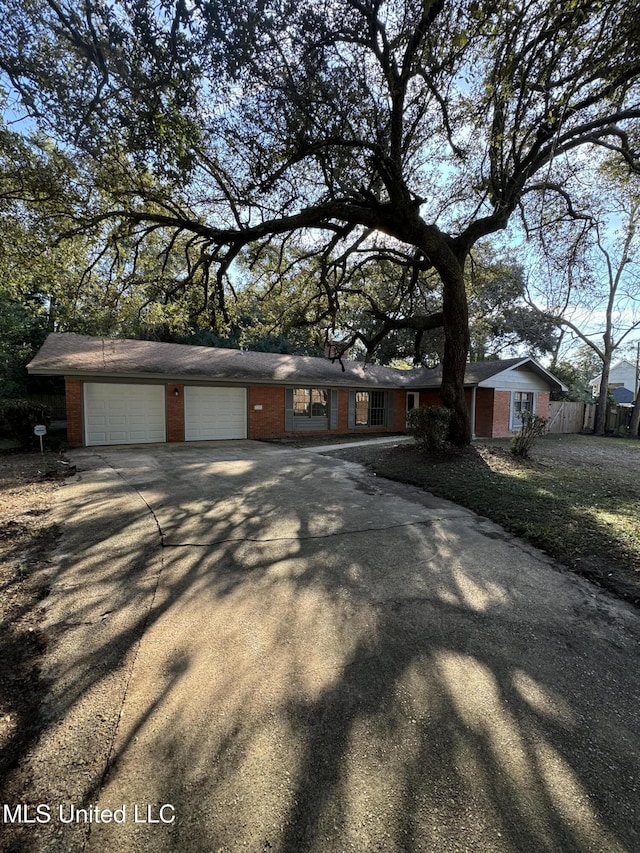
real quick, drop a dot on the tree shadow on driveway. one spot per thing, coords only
(298, 660)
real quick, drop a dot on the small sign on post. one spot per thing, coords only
(40, 430)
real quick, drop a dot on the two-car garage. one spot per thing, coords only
(128, 413)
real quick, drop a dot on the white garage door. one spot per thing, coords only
(123, 414)
(214, 413)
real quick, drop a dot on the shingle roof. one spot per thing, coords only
(478, 371)
(81, 355)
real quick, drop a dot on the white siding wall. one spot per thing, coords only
(516, 380)
(622, 373)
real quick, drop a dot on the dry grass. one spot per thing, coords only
(27, 538)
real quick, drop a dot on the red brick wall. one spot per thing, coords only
(343, 410)
(399, 411)
(175, 412)
(501, 414)
(493, 410)
(484, 412)
(269, 421)
(73, 391)
(430, 397)
(542, 405)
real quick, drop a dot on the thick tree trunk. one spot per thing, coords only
(635, 418)
(456, 347)
(448, 260)
(601, 418)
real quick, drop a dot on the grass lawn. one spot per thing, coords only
(577, 497)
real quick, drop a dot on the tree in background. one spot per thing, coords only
(576, 372)
(412, 129)
(378, 311)
(593, 286)
(500, 317)
(94, 282)
(22, 332)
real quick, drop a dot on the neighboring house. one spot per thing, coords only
(622, 382)
(130, 392)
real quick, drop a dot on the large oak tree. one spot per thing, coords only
(411, 129)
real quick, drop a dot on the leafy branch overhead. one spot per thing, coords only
(406, 130)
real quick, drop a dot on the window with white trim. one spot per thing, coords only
(521, 401)
(370, 408)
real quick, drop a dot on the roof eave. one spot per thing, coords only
(537, 368)
(96, 376)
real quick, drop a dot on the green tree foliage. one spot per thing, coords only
(97, 281)
(379, 312)
(406, 130)
(22, 332)
(19, 417)
(576, 372)
(499, 316)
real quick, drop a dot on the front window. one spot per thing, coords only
(522, 402)
(310, 402)
(370, 408)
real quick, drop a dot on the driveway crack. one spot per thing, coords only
(311, 537)
(140, 495)
(99, 785)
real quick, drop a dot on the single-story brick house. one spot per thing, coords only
(130, 392)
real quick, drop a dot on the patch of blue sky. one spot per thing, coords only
(14, 115)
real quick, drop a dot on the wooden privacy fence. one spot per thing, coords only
(590, 412)
(619, 419)
(566, 417)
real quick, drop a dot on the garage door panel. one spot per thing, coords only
(214, 413)
(124, 414)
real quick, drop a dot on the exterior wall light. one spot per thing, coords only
(176, 392)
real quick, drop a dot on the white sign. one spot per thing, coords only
(40, 429)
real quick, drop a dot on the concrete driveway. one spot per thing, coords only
(291, 655)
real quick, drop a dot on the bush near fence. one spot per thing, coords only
(19, 417)
(55, 403)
